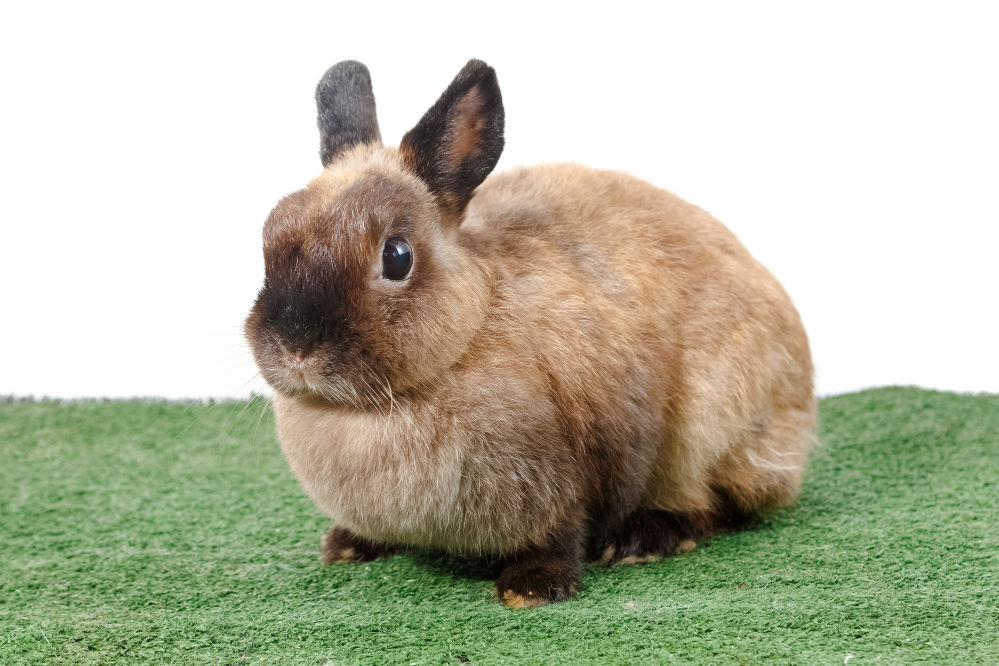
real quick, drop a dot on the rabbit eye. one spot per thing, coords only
(397, 258)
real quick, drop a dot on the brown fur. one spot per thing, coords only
(341, 545)
(468, 130)
(586, 362)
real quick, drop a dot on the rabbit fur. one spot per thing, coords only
(578, 365)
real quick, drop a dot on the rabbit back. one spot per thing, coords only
(711, 350)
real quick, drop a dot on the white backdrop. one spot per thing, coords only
(854, 149)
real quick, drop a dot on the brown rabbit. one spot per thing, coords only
(569, 364)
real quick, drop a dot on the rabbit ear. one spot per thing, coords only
(346, 106)
(459, 140)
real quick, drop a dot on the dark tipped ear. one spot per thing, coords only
(459, 140)
(346, 106)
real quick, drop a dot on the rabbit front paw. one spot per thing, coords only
(342, 545)
(537, 580)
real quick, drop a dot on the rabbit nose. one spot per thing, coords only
(299, 359)
(298, 363)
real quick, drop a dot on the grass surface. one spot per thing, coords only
(154, 532)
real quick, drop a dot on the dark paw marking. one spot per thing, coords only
(530, 586)
(342, 545)
(648, 536)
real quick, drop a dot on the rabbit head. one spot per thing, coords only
(367, 290)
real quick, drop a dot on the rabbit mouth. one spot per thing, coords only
(332, 371)
(299, 375)
(311, 377)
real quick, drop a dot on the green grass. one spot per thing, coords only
(165, 533)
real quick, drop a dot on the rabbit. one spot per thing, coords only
(549, 366)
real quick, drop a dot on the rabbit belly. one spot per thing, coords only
(367, 472)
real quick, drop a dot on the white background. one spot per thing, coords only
(853, 148)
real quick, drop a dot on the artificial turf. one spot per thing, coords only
(148, 532)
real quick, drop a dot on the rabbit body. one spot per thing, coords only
(578, 363)
(632, 354)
